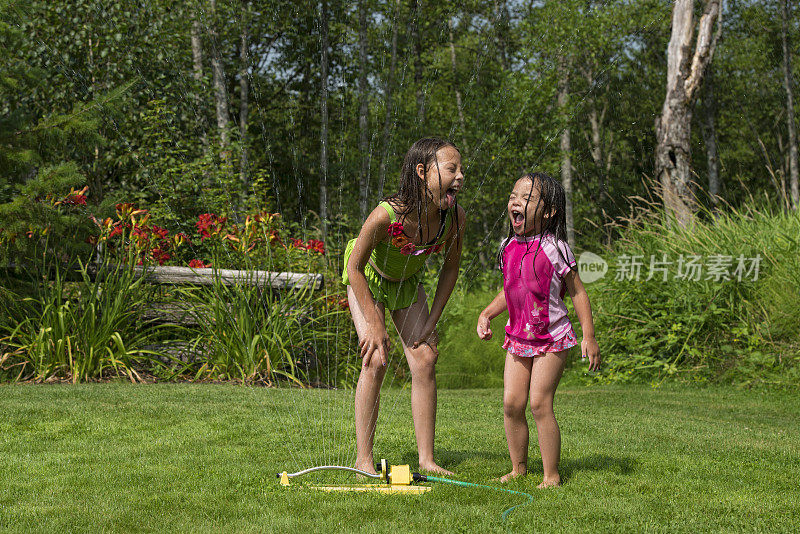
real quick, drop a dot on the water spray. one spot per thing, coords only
(398, 479)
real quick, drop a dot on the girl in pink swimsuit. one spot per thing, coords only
(538, 269)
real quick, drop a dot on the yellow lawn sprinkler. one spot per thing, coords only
(394, 479)
(397, 479)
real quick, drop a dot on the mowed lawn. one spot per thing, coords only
(175, 457)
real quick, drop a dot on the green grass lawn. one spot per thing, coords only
(118, 457)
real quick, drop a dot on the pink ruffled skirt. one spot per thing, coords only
(530, 350)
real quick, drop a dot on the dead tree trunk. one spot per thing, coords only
(244, 90)
(363, 111)
(387, 122)
(459, 105)
(323, 144)
(566, 145)
(673, 129)
(710, 138)
(787, 83)
(220, 94)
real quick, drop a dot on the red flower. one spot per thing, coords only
(160, 233)
(407, 249)
(433, 249)
(116, 231)
(161, 256)
(198, 264)
(298, 243)
(316, 245)
(76, 199)
(395, 229)
(208, 224)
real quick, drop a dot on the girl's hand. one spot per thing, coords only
(428, 337)
(590, 349)
(375, 344)
(484, 327)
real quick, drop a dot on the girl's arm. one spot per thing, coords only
(580, 300)
(375, 229)
(447, 280)
(495, 308)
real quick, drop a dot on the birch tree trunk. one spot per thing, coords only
(710, 137)
(416, 16)
(220, 94)
(197, 74)
(323, 144)
(244, 90)
(673, 128)
(566, 145)
(459, 105)
(363, 111)
(787, 83)
(387, 98)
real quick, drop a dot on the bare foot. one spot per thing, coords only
(368, 467)
(511, 476)
(433, 468)
(550, 483)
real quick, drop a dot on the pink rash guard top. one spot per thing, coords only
(533, 276)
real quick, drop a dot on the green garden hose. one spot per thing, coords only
(504, 515)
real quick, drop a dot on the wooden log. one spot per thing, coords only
(188, 275)
(168, 275)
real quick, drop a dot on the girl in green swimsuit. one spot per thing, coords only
(383, 268)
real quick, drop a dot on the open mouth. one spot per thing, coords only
(450, 194)
(517, 218)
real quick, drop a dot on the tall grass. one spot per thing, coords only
(76, 330)
(251, 334)
(742, 332)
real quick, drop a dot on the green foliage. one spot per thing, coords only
(251, 334)
(727, 330)
(79, 331)
(175, 180)
(465, 361)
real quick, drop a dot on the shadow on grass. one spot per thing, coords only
(621, 465)
(450, 459)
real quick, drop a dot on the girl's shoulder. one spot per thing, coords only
(379, 219)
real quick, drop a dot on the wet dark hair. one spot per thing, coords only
(413, 192)
(551, 199)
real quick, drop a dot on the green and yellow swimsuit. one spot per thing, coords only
(395, 269)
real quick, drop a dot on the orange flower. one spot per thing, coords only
(400, 241)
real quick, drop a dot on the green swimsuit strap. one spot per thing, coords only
(390, 210)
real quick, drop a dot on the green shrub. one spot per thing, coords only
(737, 331)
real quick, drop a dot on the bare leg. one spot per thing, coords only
(545, 376)
(367, 392)
(516, 382)
(422, 361)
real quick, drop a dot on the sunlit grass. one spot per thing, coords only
(117, 457)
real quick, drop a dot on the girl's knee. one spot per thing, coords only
(541, 406)
(422, 360)
(513, 407)
(375, 370)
